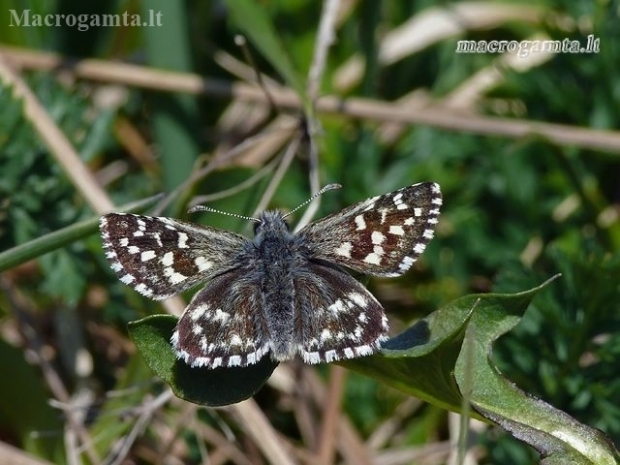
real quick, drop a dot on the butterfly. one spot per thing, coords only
(280, 293)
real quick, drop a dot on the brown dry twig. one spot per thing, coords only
(436, 116)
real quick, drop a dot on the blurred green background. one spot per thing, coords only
(517, 208)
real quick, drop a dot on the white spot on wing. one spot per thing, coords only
(202, 263)
(384, 213)
(364, 350)
(142, 289)
(330, 356)
(221, 316)
(373, 259)
(359, 221)
(325, 335)
(377, 237)
(127, 279)
(311, 357)
(148, 255)
(198, 312)
(182, 243)
(397, 230)
(337, 307)
(359, 299)
(173, 276)
(116, 266)
(407, 262)
(167, 259)
(344, 250)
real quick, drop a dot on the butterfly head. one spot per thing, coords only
(271, 225)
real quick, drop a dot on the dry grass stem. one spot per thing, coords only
(434, 116)
(264, 435)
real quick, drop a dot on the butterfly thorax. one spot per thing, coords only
(277, 257)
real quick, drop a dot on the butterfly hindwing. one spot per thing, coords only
(339, 318)
(222, 324)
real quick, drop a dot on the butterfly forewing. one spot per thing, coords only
(380, 236)
(160, 257)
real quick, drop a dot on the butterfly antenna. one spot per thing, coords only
(203, 208)
(329, 187)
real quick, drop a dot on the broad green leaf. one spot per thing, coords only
(252, 19)
(221, 386)
(557, 436)
(420, 361)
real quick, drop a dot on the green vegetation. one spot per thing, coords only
(527, 155)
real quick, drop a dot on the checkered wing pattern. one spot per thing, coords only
(381, 236)
(223, 324)
(340, 319)
(160, 257)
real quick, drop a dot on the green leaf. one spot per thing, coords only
(221, 386)
(556, 435)
(42, 245)
(257, 25)
(431, 362)
(420, 361)
(65, 279)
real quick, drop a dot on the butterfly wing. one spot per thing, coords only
(223, 324)
(338, 318)
(160, 257)
(380, 236)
